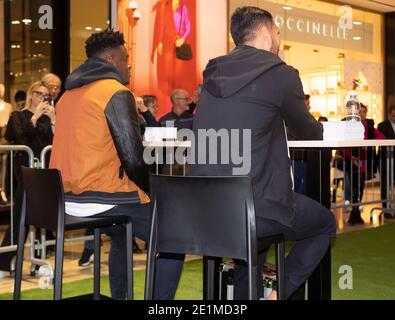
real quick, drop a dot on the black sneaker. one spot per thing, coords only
(355, 217)
(87, 258)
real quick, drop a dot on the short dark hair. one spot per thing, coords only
(306, 96)
(20, 96)
(99, 42)
(246, 21)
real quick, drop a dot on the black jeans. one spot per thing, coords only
(165, 285)
(313, 227)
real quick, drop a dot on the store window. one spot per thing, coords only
(86, 17)
(29, 47)
(331, 60)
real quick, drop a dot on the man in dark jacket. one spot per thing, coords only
(252, 88)
(179, 116)
(98, 149)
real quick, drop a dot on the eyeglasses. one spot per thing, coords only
(40, 94)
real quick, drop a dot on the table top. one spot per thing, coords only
(340, 143)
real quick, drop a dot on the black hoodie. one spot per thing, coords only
(94, 69)
(251, 89)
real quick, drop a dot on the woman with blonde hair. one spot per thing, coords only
(33, 126)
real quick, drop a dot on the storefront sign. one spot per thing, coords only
(312, 27)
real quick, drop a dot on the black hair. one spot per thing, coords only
(306, 96)
(246, 21)
(99, 42)
(20, 96)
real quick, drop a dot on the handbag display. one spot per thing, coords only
(185, 51)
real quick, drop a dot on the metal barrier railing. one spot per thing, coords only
(367, 177)
(31, 163)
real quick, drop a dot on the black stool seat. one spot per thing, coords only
(74, 223)
(213, 217)
(44, 207)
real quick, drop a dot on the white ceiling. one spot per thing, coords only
(375, 5)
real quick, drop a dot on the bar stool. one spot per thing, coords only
(44, 207)
(210, 217)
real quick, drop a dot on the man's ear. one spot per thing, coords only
(109, 58)
(267, 38)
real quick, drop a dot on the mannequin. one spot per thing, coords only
(5, 110)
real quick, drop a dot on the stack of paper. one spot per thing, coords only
(343, 130)
(160, 133)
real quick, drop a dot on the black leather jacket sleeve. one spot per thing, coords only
(123, 122)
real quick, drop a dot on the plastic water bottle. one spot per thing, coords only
(352, 108)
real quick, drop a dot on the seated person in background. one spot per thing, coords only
(180, 115)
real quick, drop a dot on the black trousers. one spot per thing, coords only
(312, 229)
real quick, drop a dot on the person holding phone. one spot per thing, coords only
(33, 126)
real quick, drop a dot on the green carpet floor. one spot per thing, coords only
(370, 254)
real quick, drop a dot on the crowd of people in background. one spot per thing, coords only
(31, 121)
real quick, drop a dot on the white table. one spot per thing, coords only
(320, 281)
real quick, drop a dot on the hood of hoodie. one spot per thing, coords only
(226, 75)
(92, 70)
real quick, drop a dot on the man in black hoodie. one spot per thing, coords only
(251, 88)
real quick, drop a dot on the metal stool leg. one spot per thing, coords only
(19, 264)
(129, 260)
(59, 265)
(96, 265)
(151, 259)
(280, 266)
(209, 269)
